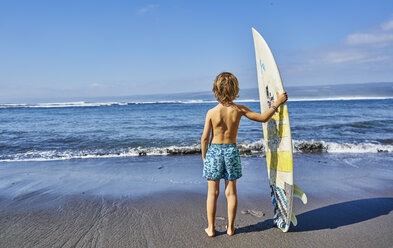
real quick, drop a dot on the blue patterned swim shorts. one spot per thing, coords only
(222, 161)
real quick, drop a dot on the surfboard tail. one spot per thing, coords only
(298, 193)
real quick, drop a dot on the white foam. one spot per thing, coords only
(62, 104)
(97, 104)
(304, 146)
(197, 101)
(87, 104)
(131, 152)
(333, 147)
(245, 148)
(344, 98)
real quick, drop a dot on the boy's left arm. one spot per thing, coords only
(205, 136)
(265, 116)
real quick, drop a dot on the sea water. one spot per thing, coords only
(82, 130)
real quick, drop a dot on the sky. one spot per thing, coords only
(119, 48)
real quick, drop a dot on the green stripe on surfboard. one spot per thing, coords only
(293, 219)
(298, 192)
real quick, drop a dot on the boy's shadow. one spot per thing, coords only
(332, 216)
(261, 226)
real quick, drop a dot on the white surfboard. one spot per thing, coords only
(277, 136)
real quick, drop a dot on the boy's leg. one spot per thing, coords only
(231, 194)
(211, 204)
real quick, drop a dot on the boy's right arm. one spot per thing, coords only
(264, 117)
(206, 135)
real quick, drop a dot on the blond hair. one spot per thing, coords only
(226, 87)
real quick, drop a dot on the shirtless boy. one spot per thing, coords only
(221, 159)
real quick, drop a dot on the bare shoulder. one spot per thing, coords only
(211, 111)
(242, 108)
(214, 109)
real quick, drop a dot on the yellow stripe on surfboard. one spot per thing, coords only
(281, 114)
(275, 131)
(280, 161)
(277, 126)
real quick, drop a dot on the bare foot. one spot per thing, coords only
(209, 232)
(231, 231)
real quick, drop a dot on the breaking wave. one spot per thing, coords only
(256, 148)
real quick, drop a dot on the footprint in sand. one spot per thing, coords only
(255, 213)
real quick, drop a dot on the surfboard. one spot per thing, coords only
(277, 137)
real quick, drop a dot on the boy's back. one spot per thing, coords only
(225, 121)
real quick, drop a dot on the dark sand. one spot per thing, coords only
(352, 214)
(177, 219)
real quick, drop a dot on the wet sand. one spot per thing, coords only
(342, 212)
(177, 219)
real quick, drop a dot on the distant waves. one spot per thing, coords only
(99, 104)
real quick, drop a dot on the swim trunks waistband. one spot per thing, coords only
(223, 145)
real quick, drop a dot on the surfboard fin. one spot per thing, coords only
(298, 192)
(293, 220)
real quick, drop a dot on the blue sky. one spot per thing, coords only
(117, 48)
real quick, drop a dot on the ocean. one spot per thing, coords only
(144, 128)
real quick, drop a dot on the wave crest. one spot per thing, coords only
(256, 148)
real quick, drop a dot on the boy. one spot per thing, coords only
(221, 159)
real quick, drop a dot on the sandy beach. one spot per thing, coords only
(342, 212)
(177, 220)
